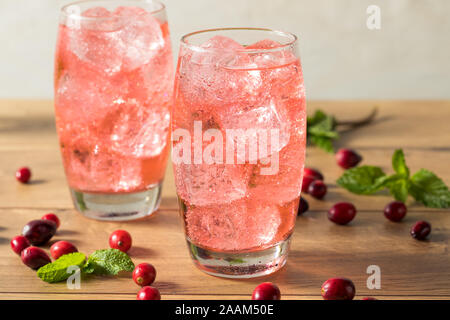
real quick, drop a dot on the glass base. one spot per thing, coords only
(250, 264)
(118, 206)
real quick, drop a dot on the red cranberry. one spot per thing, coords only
(313, 173)
(420, 230)
(18, 243)
(120, 239)
(23, 174)
(34, 257)
(38, 232)
(144, 274)
(342, 213)
(369, 298)
(307, 180)
(395, 211)
(266, 291)
(61, 248)
(148, 293)
(303, 206)
(52, 217)
(347, 158)
(338, 289)
(317, 189)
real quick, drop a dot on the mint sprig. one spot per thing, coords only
(108, 262)
(321, 130)
(57, 270)
(101, 262)
(424, 186)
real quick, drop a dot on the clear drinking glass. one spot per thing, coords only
(239, 134)
(113, 93)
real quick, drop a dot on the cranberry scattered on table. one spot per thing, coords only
(311, 172)
(306, 182)
(266, 291)
(144, 274)
(342, 213)
(23, 174)
(395, 211)
(61, 248)
(303, 206)
(39, 232)
(120, 239)
(148, 293)
(317, 189)
(420, 230)
(347, 158)
(18, 243)
(52, 217)
(338, 289)
(35, 257)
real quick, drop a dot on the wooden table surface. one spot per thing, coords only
(320, 249)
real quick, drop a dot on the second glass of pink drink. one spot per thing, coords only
(239, 134)
(113, 93)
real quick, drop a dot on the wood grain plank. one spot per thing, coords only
(320, 250)
(107, 296)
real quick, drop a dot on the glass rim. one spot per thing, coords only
(198, 48)
(64, 9)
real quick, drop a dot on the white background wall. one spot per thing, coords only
(407, 59)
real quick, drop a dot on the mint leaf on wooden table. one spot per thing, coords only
(322, 142)
(57, 270)
(363, 180)
(108, 262)
(321, 130)
(399, 183)
(399, 189)
(429, 189)
(424, 186)
(399, 163)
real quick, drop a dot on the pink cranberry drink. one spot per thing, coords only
(113, 90)
(239, 134)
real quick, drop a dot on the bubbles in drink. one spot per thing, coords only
(113, 88)
(228, 86)
(121, 40)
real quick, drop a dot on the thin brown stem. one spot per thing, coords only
(358, 123)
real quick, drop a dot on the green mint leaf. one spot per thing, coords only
(108, 262)
(324, 129)
(429, 189)
(88, 268)
(424, 185)
(57, 270)
(399, 163)
(318, 116)
(363, 179)
(399, 188)
(322, 142)
(321, 130)
(322, 125)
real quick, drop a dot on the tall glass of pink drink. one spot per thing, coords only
(113, 91)
(239, 134)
